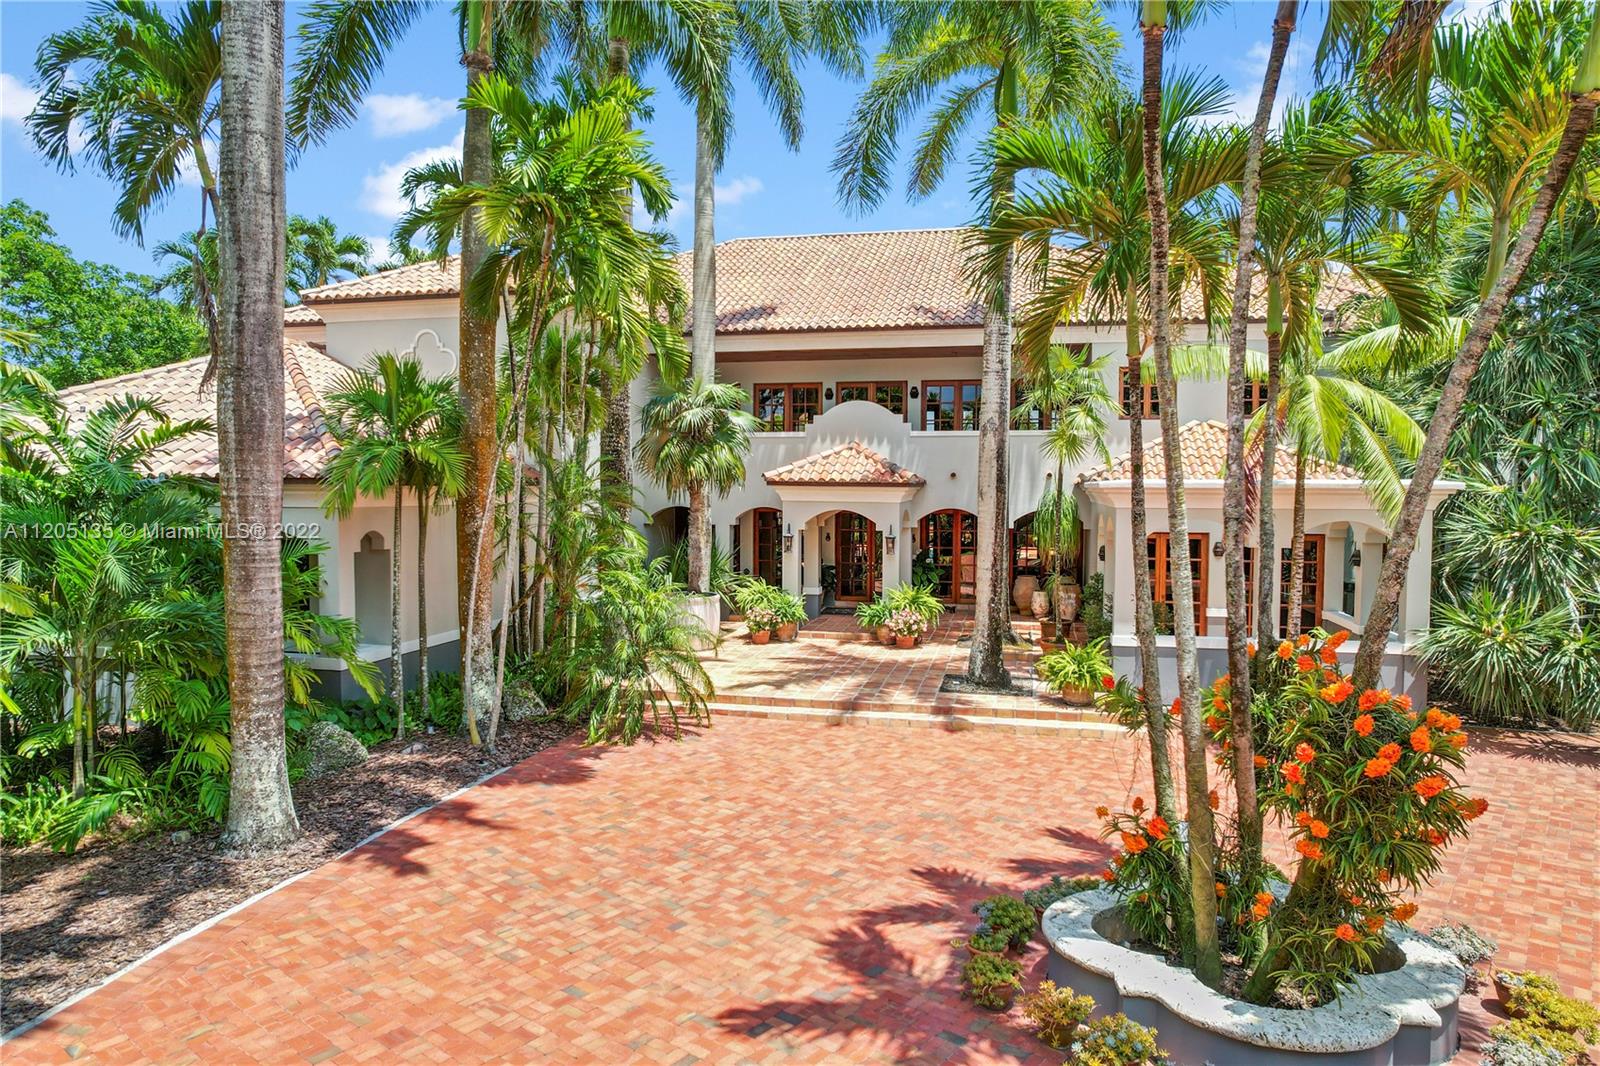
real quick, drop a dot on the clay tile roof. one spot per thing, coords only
(309, 375)
(413, 280)
(886, 279)
(300, 315)
(848, 464)
(1205, 451)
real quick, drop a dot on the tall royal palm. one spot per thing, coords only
(389, 419)
(1006, 63)
(250, 389)
(141, 86)
(1086, 191)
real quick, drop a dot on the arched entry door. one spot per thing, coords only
(856, 558)
(948, 554)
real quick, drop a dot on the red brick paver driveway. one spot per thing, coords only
(764, 892)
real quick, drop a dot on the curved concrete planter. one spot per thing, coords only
(1406, 1017)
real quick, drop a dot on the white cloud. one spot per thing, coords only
(380, 250)
(1295, 81)
(16, 99)
(393, 116)
(735, 192)
(380, 191)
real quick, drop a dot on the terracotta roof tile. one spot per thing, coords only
(896, 279)
(309, 375)
(1205, 452)
(848, 464)
(415, 279)
(300, 315)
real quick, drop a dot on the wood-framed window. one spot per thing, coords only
(950, 405)
(1150, 407)
(769, 559)
(890, 395)
(1030, 417)
(1156, 552)
(786, 407)
(1255, 397)
(1310, 584)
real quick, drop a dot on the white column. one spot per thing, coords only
(811, 567)
(1419, 571)
(789, 547)
(1119, 571)
(896, 564)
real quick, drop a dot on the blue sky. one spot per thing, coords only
(411, 116)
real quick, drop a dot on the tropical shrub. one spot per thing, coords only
(918, 599)
(990, 980)
(1077, 668)
(1115, 1040)
(768, 603)
(1093, 610)
(1367, 789)
(1538, 1001)
(1055, 1012)
(1005, 923)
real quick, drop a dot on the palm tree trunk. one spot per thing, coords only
(1233, 493)
(479, 398)
(423, 507)
(703, 339)
(1403, 541)
(992, 611)
(80, 776)
(1201, 849)
(616, 480)
(250, 419)
(1297, 546)
(1144, 609)
(397, 662)
(1266, 538)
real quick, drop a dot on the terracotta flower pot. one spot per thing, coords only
(885, 637)
(1079, 633)
(1078, 697)
(760, 636)
(905, 640)
(1022, 590)
(1040, 604)
(1047, 629)
(787, 631)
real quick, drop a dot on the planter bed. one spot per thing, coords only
(1404, 1017)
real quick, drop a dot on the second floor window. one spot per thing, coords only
(1255, 396)
(1031, 417)
(887, 394)
(1145, 400)
(791, 408)
(950, 405)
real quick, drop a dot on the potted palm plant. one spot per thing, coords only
(1075, 672)
(918, 599)
(790, 611)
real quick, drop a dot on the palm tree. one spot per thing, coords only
(555, 213)
(143, 92)
(1153, 20)
(88, 602)
(250, 418)
(318, 252)
(1009, 63)
(1582, 73)
(694, 439)
(1090, 196)
(389, 420)
(1072, 389)
(1233, 493)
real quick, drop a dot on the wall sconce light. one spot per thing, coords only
(1355, 557)
(1216, 549)
(827, 535)
(914, 393)
(788, 539)
(888, 543)
(827, 394)
(1102, 553)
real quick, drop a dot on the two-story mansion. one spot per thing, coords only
(861, 356)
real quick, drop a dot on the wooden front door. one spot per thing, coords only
(769, 563)
(1161, 578)
(1310, 584)
(949, 545)
(855, 555)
